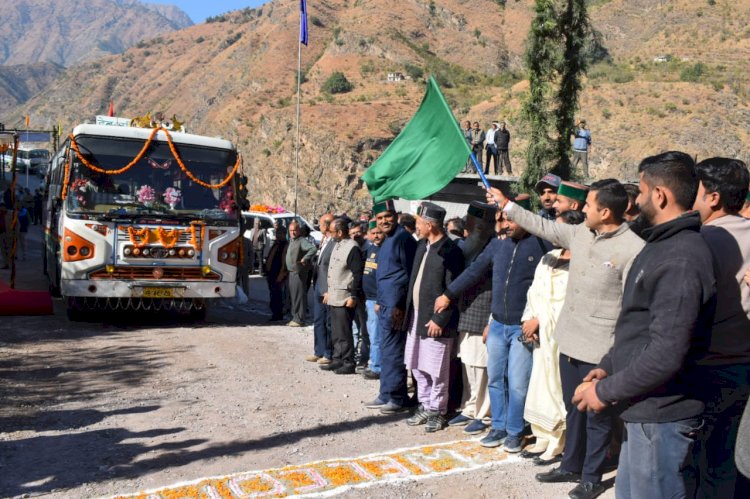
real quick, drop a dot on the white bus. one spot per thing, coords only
(133, 223)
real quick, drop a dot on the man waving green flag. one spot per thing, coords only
(427, 154)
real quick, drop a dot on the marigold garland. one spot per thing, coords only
(143, 234)
(142, 153)
(66, 177)
(168, 238)
(193, 234)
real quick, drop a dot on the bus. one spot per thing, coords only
(142, 219)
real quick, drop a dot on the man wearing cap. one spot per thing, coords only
(370, 287)
(725, 369)
(429, 343)
(502, 141)
(474, 308)
(581, 146)
(512, 262)
(570, 196)
(395, 261)
(491, 148)
(601, 251)
(344, 289)
(547, 189)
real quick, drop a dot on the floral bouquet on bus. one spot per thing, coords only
(81, 189)
(146, 195)
(172, 197)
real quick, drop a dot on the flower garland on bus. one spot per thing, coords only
(142, 153)
(193, 234)
(144, 235)
(268, 209)
(168, 238)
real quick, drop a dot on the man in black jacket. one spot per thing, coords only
(664, 326)
(437, 262)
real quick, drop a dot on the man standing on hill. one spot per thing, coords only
(601, 250)
(299, 256)
(725, 370)
(668, 305)
(477, 141)
(502, 141)
(490, 148)
(581, 146)
(395, 261)
(469, 167)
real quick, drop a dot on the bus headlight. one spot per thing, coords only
(76, 248)
(228, 254)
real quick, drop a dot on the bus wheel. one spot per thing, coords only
(198, 312)
(74, 309)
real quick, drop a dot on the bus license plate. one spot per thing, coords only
(158, 293)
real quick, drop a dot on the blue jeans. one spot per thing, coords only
(392, 368)
(657, 460)
(322, 329)
(507, 357)
(727, 391)
(372, 329)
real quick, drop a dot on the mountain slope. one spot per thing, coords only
(64, 33)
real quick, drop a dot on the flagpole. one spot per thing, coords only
(296, 146)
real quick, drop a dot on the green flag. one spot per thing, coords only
(427, 154)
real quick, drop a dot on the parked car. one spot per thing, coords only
(33, 160)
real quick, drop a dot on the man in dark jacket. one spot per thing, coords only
(512, 261)
(431, 336)
(276, 273)
(323, 347)
(395, 262)
(663, 329)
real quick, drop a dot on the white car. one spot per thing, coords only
(267, 221)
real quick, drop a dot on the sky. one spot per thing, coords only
(199, 10)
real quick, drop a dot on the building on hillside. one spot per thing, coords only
(397, 76)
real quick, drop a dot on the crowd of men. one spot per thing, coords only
(613, 322)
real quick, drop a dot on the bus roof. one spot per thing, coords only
(144, 133)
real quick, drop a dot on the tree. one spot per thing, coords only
(337, 84)
(541, 59)
(556, 57)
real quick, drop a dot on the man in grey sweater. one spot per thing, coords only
(725, 370)
(299, 257)
(601, 251)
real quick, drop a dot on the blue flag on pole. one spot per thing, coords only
(303, 21)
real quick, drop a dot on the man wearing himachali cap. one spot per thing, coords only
(602, 249)
(395, 262)
(431, 335)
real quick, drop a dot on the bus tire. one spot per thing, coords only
(198, 313)
(73, 309)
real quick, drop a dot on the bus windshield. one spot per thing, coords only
(156, 184)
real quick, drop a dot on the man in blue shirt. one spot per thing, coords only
(512, 262)
(395, 262)
(581, 146)
(370, 286)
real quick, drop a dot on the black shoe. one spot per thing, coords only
(529, 455)
(538, 461)
(435, 422)
(360, 369)
(367, 374)
(587, 490)
(558, 475)
(332, 366)
(344, 370)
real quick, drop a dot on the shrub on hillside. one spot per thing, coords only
(337, 84)
(693, 73)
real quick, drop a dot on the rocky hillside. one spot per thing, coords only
(236, 78)
(19, 83)
(67, 33)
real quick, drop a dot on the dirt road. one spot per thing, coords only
(137, 402)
